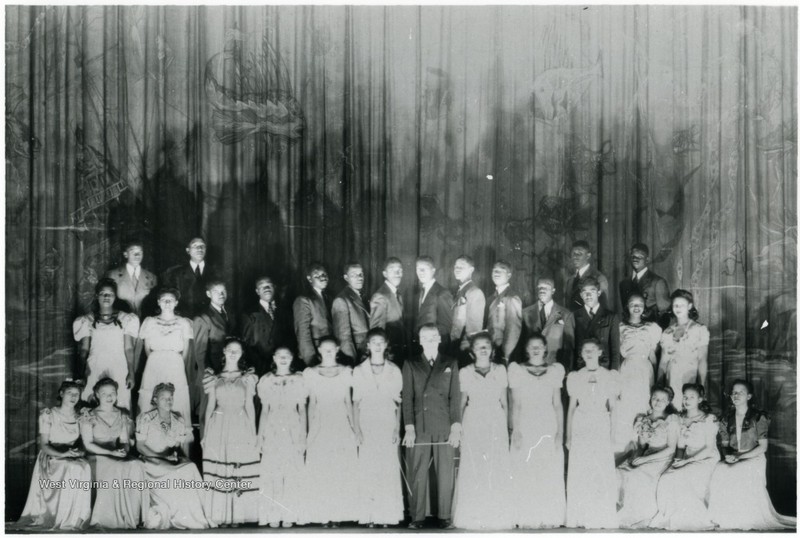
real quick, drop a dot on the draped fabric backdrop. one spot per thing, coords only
(289, 134)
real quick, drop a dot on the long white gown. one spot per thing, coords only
(636, 343)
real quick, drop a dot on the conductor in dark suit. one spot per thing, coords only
(264, 328)
(643, 281)
(350, 315)
(433, 303)
(582, 267)
(432, 418)
(386, 308)
(210, 328)
(312, 318)
(191, 278)
(593, 320)
(548, 318)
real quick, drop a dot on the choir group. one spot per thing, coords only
(347, 410)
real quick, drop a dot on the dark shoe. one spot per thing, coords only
(446, 524)
(416, 525)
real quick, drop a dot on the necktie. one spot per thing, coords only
(197, 272)
(135, 278)
(422, 296)
(399, 298)
(542, 316)
(224, 315)
(636, 278)
(431, 361)
(271, 310)
(591, 314)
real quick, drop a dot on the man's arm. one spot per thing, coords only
(378, 308)
(513, 325)
(476, 305)
(662, 295)
(568, 346)
(455, 396)
(613, 343)
(201, 330)
(341, 326)
(444, 314)
(302, 328)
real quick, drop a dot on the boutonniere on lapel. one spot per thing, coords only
(447, 370)
(560, 321)
(462, 300)
(501, 304)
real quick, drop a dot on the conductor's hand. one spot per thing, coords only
(409, 437)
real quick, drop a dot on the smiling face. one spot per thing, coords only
(70, 397)
(536, 351)
(590, 296)
(740, 395)
(482, 349)
(636, 308)
(579, 257)
(639, 260)
(355, 278)
(283, 360)
(462, 270)
(134, 255)
(165, 400)
(265, 290)
(106, 395)
(327, 352)
(217, 294)
(377, 344)
(318, 279)
(545, 291)
(232, 353)
(196, 250)
(106, 297)
(500, 276)
(425, 272)
(167, 303)
(681, 307)
(393, 274)
(659, 401)
(591, 353)
(691, 400)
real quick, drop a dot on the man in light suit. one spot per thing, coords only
(211, 328)
(468, 308)
(350, 316)
(432, 417)
(643, 281)
(312, 319)
(386, 308)
(593, 320)
(433, 303)
(581, 258)
(548, 318)
(264, 328)
(191, 278)
(504, 313)
(134, 282)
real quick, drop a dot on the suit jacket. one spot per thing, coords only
(126, 291)
(504, 320)
(604, 326)
(468, 310)
(312, 321)
(553, 331)
(655, 291)
(437, 309)
(262, 334)
(431, 397)
(193, 299)
(210, 331)
(385, 312)
(350, 322)
(572, 297)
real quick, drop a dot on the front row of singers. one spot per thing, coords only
(325, 450)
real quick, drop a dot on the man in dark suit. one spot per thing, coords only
(433, 304)
(134, 282)
(581, 258)
(350, 315)
(468, 306)
(432, 418)
(211, 328)
(504, 311)
(264, 328)
(593, 320)
(191, 278)
(386, 309)
(312, 318)
(548, 318)
(643, 281)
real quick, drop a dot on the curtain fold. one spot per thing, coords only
(298, 133)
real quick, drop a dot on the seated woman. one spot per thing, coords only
(738, 496)
(60, 461)
(683, 488)
(178, 501)
(657, 433)
(107, 433)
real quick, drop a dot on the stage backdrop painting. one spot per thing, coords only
(294, 133)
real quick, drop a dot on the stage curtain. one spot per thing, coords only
(295, 133)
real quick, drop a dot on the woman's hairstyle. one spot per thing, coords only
(242, 363)
(484, 335)
(704, 406)
(751, 404)
(670, 409)
(523, 357)
(694, 315)
(161, 387)
(387, 354)
(594, 341)
(117, 306)
(166, 290)
(626, 313)
(67, 384)
(106, 381)
(318, 358)
(293, 365)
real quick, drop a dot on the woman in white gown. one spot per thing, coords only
(484, 477)
(738, 497)
(657, 433)
(377, 385)
(591, 477)
(537, 442)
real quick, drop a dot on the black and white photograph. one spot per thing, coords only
(408, 268)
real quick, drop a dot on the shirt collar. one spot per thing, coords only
(548, 306)
(593, 310)
(582, 270)
(132, 271)
(464, 284)
(502, 288)
(640, 274)
(264, 304)
(392, 288)
(201, 264)
(217, 308)
(427, 287)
